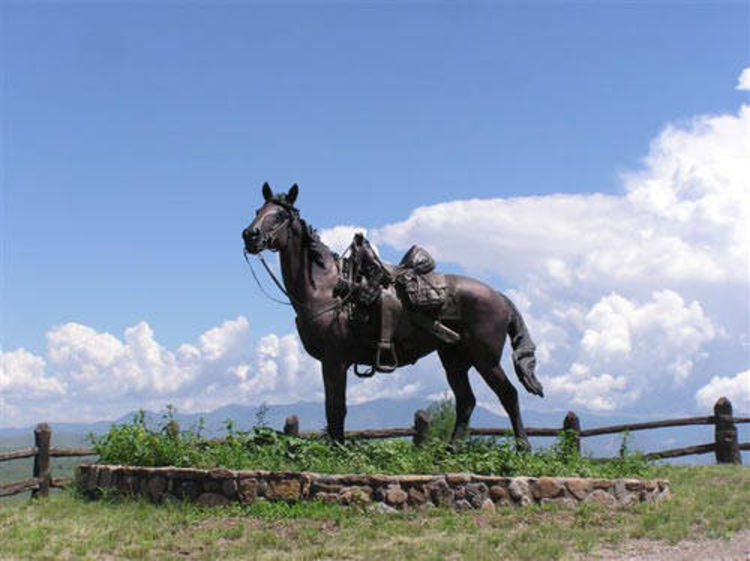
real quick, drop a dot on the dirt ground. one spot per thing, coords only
(735, 549)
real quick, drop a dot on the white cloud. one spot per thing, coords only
(682, 219)
(100, 364)
(399, 385)
(627, 350)
(92, 375)
(284, 372)
(22, 373)
(665, 328)
(736, 389)
(744, 80)
(23, 380)
(624, 294)
(227, 340)
(598, 392)
(340, 237)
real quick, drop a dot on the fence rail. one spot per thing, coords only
(18, 454)
(725, 446)
(42, 451)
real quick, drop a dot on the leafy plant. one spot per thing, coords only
(261, 415)
(264, 448)
(442, 418)
(624, 443)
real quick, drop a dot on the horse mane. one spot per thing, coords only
(316, 249)
(311, 242)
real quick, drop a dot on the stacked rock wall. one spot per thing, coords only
(461, 491)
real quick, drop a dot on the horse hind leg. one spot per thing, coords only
(497, 380)
(457, 371)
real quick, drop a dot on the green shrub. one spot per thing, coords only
(263, 448)
(442, 418)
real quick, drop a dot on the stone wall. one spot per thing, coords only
(461, 491)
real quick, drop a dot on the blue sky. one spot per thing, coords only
(136, 138)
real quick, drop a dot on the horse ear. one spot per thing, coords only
(291, 196)
(267, 193)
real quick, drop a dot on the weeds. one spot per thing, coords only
(263, 448)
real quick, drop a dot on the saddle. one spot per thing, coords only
(409, 293)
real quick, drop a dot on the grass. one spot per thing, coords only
(708, 502)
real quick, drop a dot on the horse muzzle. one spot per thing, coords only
(254, 242)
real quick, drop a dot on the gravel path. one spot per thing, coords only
(735, 549)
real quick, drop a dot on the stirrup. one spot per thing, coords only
(366, 374)
(390, 351)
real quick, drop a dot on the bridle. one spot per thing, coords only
(268, 238)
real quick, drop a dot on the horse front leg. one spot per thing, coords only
(334, 381)
(457, 371)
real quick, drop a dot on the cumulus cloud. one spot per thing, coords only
(402, 384)
(598, 392)
(744, 80)
(623, 293)
(90, 374)
(22, 373)
(227, 341)
(101, 364)
(736, 389)
(22, 380)
(285, 373)
(666, 328)
(340, 237)
(626, 348)
(681, 220)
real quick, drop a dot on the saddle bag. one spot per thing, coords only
(423, 291)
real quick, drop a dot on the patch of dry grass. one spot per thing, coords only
(709, 501)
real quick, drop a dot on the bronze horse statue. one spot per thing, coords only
(310, 272)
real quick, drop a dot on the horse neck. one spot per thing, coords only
(310, 285)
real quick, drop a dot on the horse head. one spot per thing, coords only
(273, 221)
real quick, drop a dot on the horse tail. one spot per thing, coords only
(524, 361)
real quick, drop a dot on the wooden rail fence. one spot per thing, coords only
(42, 451)
(725, 445)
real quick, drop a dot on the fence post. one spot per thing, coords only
(291, 425)
(42, 438)
(421, 426)
(573, 424)
(725, 435)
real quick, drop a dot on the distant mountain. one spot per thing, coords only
(382, 413)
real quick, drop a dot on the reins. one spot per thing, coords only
(292, 300)
(257, 280)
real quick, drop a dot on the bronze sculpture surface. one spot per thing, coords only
(353, 312)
